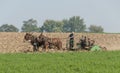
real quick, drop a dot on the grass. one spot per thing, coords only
(70, 62)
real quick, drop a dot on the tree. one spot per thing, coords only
(52, 26)
(8, 28)
(75, 24)
(30, 26)
(96, 29)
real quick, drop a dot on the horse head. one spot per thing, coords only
(28, 37)
(42, 37)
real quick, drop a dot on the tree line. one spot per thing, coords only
(73, 24)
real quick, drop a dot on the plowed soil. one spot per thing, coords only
(11, 42)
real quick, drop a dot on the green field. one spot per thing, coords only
(69, 62)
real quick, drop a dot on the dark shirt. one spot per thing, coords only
(71, 36)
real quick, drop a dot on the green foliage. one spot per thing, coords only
(52, 26)
(30, 26)
(8, 28)
(96, 29)
(75, 24)
(69, 62)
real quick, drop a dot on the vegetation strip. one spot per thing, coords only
(67, 62)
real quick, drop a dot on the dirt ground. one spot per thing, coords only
(11, 42)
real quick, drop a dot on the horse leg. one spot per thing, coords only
(45, 46)
(37, 48)
(59, 45)
(34, 48)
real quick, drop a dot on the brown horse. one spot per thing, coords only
(33, 40)
(43, 41)
(37, 41)
(56, 42)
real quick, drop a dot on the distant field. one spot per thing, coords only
(12, 42)
(68, 62)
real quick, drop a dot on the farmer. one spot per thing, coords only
(88, 42)
(71, 40)
(92, 43)
(84, 42)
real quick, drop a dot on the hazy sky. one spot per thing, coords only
(100, 12)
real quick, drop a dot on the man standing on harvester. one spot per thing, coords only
(71, 40)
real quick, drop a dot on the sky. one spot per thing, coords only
(105, 13)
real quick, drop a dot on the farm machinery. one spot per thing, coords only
(88, 44)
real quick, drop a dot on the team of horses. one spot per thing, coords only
(43, 41)
(48, 43)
